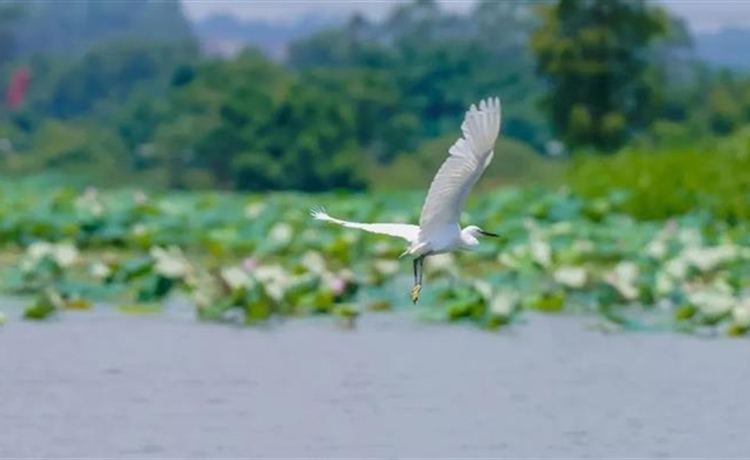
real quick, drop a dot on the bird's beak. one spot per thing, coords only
(494, 235)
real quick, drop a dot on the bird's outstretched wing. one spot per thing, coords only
(468, 158)
(405, 231)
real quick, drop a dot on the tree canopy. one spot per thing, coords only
(351, 104)
(594, 55)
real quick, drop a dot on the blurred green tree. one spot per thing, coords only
(109, 75)
(440, 62)
(594, 54)
(254, 126)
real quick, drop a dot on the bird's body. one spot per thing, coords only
(439, 230)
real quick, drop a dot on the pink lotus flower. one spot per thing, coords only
(249, 264)
(337, 285)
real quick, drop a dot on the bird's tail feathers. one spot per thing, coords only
(405, 231)
(320, 213)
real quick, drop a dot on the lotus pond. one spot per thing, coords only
(251, 258)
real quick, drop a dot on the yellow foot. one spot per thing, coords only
(415, 293)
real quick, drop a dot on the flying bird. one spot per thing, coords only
(439, 230)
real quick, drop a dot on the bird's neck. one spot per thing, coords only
(468, 241)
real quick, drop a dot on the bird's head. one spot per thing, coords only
(475, 232)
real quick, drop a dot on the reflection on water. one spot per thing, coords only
(101, 384)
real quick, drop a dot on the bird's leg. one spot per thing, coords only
(415, 290)
(417, 279)
(421, 267)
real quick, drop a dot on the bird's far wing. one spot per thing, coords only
(405, 231)
(467, 160)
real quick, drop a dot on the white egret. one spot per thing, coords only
(439, 230)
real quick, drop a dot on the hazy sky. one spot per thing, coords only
(702, 15)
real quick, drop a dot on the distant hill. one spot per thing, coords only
(226, 35)
(75, 26)
(46, 26)
(725, 48)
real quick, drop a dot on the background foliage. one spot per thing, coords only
(114, 100)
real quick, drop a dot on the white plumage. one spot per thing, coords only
(439, 228)
(406, 231)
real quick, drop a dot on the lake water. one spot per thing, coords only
(111, 385)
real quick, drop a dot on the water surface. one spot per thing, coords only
(111, 385)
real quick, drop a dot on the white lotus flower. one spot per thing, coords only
(99, 270)
(664, 283)
(90, 202)
(236, 278)
(624, 278)
(65, 254)
(268, 272)
(511, 258)
(204, 291)
(504, 302)
(281, 233)
(484, 288)
(657, 249)
(255, 209)
(627, 271)
(690, 237)
(38, 250)
(442, 263)
(707, 259)
(741, 313)
(574, 277)
(140, 198)
(541, 251)
(314, 262)
(386, 267)
(714, 300)
(170, 263)
(275, 280)
(677, 268)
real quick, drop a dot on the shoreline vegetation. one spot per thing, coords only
(246, 257)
